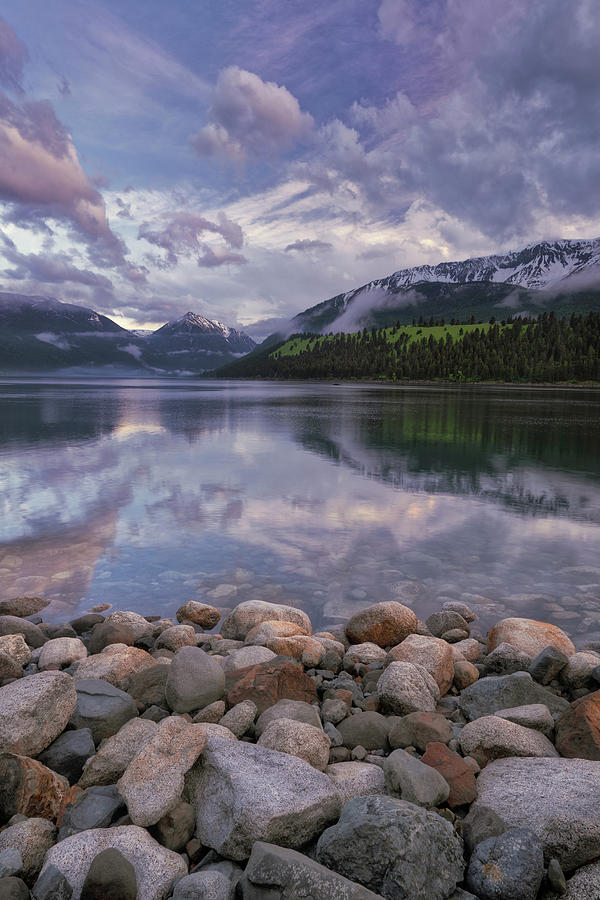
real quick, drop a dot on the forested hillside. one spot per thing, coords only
(547, 349)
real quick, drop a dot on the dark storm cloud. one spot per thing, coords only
(50, 269)
(180, 234)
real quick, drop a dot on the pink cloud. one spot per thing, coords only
(250, 116)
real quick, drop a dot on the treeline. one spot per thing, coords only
(547, 349)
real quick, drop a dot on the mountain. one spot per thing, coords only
(561, 276)
(44, 334)
(192, 339)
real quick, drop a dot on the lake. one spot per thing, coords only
(146, 493)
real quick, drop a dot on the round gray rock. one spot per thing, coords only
(34, 711)
(195, 679)
(507, 867)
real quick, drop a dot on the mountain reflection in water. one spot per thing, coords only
(145, 493)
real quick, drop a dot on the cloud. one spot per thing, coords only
(250, 117)
(180, 234)
(41, 178)
(13, 56)
(303, 245)
(51, 269)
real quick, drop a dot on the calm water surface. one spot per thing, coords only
(146, 493)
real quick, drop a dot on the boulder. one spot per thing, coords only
(479, 824)
(304, 648)
(211, 714)
(29, 788)
(465, 673)
(176, 637)
(176, 827)
(385, 624)
(578, 671)
(155, 867)
(269, 630)
(407, 777)
(356, 779)
(363, 654)
(394, 848)
(298, 710)
(14, 645)
(96, 807)
(463, 609)
(61, 652)
(268, 682)
(547, 664)
(68, 754)
(10, 670)
(585, 883)
(11, 862)
(405, 687)
(109, 877)
(418, 729)
(432, 653)
(148, 686)
(366, 729)
(558, 799)
(447, 620)
(116, 752)
(470, 648)
(106, 633)
(115, 664)
(286, 875)
(199, 613)
(153, 781)
(86, 622)
(204, 885)
(34, 636)
(509, 866)
(454, 770)
(22, 606)
(32, 838)
(491, 737)
(195, 679)
(244, 793)
(578, 729)
(52, 885)
(240, 718)
(247, 656)
(490, 694)
(529, 636)
(140, 627)
(534, 715)
(506, 659)
(298, 739)
(101, 707)
(246, 615)
(12, 888)
(34, 711)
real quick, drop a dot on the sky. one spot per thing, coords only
(246, 159)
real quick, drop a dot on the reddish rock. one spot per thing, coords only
(432, 653)
(30, 788)
(529, 636)
(301, 647)
(199, 613)
(272, 629)
(452, 767)
(267, 683)
(385, 624)
(465, 674)
(578, 729)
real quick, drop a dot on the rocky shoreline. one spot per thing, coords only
(388, 757)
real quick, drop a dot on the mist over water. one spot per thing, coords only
(147, 493)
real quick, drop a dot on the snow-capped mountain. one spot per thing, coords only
(536, 266)
(42, 334)
(550, 275)
(195, 325)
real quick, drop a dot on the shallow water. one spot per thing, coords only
(146, 493)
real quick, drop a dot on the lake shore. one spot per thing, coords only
(386, 757)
